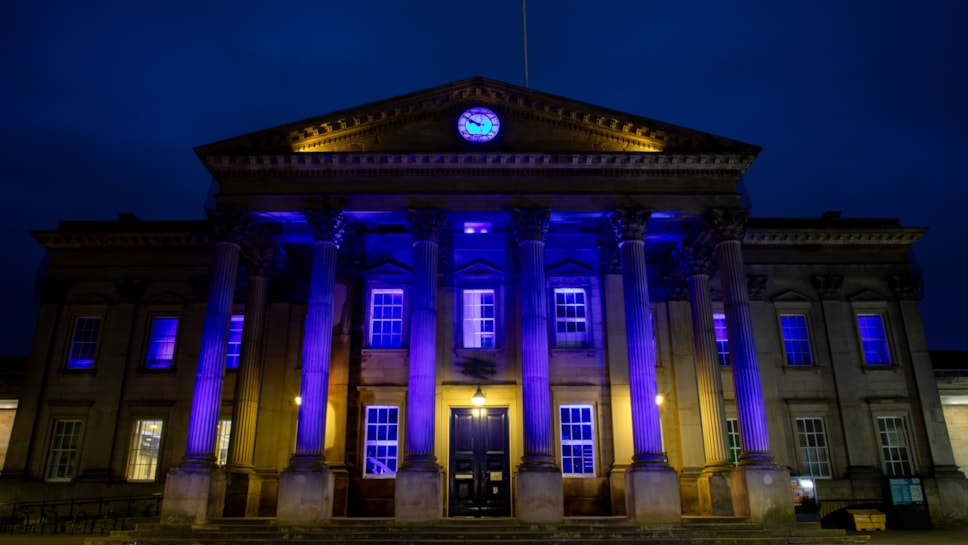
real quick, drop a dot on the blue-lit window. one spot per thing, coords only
(84, 343)
(577, 441)
(873, 339)
(476, 228)
(161, 343)
(732, 438)
(479, 319)
(722, 340)
(571, 318)
(386, 318)
(796, 341)
(235, 342)
(380, 445)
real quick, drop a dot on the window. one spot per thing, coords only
(894, 445)
(143, 451)
(479, 319)
(796, 342)
(732, 439)
(571, 328)
(84, 343)
(722, 341)
(222, 442)
(873, 339)
(577, 441)
(814, 459)
(235, 342)
(386, 318)
(380, 446)
(161, 343)
(64, 444)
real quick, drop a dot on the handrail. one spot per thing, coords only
(46, 514)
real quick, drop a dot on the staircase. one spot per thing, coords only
(617, 531)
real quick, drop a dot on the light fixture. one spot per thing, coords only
(478, 398)
(659, 399)
(298, 400)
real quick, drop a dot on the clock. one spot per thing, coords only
(478, 124)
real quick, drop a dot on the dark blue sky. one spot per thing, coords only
(860, 106)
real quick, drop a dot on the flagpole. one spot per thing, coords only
(524, 31)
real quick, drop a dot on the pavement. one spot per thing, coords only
(894, 537)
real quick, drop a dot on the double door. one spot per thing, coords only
(479, 479)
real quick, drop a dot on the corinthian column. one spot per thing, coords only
(195, 491)
(651, 486)
(244, 487)
(306, 486)
(715, 494)
(767, 485)
(539, 484)
(418, 494)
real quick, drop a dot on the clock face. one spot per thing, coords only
(478, 125)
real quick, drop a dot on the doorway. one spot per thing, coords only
(479, 484)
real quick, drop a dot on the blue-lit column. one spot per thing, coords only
(651, 485)
(244, 486)
(306, 486)
(418, 493)
(539, 485)
(195, 491)
(766, 484)
(715, 491)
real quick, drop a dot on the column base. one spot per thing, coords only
(243, 489)
(716, 496)
(194, 494)
(541, 497)
(652, 493)
(763, 493)
(419, 495)
(616, 481)
(952, 495)
(305, 495)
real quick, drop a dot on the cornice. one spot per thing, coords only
(833, 237)
(66, 240)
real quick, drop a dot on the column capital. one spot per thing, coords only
(727, 224)
(230, 225)
(328, 225)
(906, 287)
(426, 223)
(629, 223)
(531, 223)
(694, 260)
(828, 286)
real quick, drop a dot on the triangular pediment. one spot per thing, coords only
(388, 270)
(790, 296)
(569, 267)
(426, 122)
(478, 269)
(866, 295)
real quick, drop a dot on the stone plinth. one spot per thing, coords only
(766, 490)
(419, 496)
(242, 491)
(541, 497)
(652, 494)
(716, 492)
(194, 494)
(305, 495)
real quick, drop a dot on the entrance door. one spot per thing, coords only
(480, 476)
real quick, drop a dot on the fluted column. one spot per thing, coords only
(629, 227)
(306, 486)
(242, 493)
(727, 230)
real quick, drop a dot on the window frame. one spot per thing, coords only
(559, 343)
(378, 443)
(725, 359)
(73, 341)
(233, 348)
(130, 465)
(404, 315)
(808, 338)
(733, 439)
(495, 318)
(53, 451)
(150, 342)
(802, 454)
(908, 446)
(582, 442)
(885, 342)
(223, 436)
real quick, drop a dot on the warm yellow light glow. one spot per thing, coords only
(298, 400)
(478, 398)
(659, 399)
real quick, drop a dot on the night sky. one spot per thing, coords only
(860, 106)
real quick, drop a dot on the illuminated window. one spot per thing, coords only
(814, 459)
(144, 450)
(476, 228)
(571, 326)
(235, 342)
(873, 339)
(380, 445)
(722, 340)
(732, 438)
(84, 343)
(64, 444)
(222, 442)
(479, 319)
(796, 342)
(386, 318)
(894, 446)
(161, 343)
(577, 441)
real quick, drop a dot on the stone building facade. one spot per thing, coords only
(480, 300)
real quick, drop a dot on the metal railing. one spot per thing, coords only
(77, 515)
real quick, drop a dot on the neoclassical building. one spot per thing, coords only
(481, 300)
